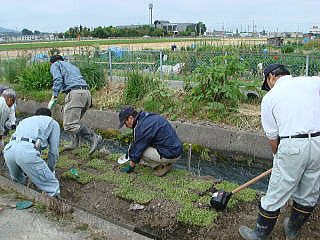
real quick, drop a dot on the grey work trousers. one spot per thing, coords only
(152, 158)
(22, 158)
(295, 174)
(76, 104)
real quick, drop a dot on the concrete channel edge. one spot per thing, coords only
(112, 230)
(226, 139)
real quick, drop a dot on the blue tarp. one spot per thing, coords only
(117, 52)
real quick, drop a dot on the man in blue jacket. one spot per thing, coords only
(68, 79)
(155, 142)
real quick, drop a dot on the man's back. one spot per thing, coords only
(69, 73)
(161, 134)
(37, 127)
(293, 104)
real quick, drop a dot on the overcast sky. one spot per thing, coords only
(59, 15)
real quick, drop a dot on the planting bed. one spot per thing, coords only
(175, 206)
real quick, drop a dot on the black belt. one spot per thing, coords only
(303, 135)
(76, 88)
(24, 139)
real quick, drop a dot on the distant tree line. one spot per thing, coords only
(29, 32)
(146, 30)
(106, 32)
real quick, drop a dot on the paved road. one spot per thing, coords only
(30, 224)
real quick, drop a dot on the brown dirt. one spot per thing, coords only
(158, 218)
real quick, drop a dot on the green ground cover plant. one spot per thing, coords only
(190, 215)
(82, 152)
(246, 195)
(83, 178)
(193, 195)
(113, 177)
(98, 164)
(66, 162)
(135, 194)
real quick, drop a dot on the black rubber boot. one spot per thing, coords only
(264, 225)
(299, 215)
(91, 136)
(75, 143)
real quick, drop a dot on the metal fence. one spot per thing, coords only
(167, 65)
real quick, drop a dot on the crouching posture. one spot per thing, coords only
(22, 153)
(155, 142)
(68, 79)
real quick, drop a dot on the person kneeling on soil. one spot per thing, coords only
(22, 153)
(155, 142)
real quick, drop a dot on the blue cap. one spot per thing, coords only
(124, 114)
(55, 58)
(267, 70)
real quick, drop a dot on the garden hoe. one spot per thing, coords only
(220, 199)
(18, 205)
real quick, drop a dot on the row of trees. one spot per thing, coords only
(29, 32)
(105, 32)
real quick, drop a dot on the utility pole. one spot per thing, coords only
(252, 25)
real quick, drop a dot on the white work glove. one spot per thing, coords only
(52, 103)
(123, 159)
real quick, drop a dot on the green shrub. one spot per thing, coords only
(288, 49)
(160, 100)
(36, 76)
(137, 86)
(93, 74)
(11, 69)
(217, 88)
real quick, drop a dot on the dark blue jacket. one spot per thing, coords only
(152, 130)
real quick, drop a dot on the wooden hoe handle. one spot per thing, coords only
(252, 181)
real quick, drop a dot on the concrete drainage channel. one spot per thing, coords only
(228, 141)
(221, 139)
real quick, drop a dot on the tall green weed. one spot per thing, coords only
(138, 85)
(217, 85)
(93, 74)
(36, 76)
(11, 69)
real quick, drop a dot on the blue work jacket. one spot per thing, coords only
(152, 130)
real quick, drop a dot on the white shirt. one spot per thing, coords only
(4, 114)
(291, 107)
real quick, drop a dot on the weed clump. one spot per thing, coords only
(196, 216)
(98, 164)
(135, 194)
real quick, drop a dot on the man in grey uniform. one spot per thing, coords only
(22, 153)
(291, 120)
(7, 100)
(11, 122)
(68, 79)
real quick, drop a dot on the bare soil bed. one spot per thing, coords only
(175, 206)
